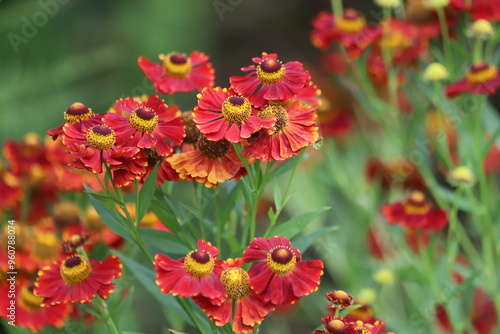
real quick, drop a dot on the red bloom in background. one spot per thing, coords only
(480, 9)
(196, 274)
(28, 310)
(249, 308)
(295, 128)
(10, 188)
(279, 275)
(221, 113)
(481, 78)
(336, 325)
(270, 80)
(399, 172)
(77, 280)
(151, 124)
(211, 163)
(349, 30)
(179, 73)
(415, 213)
(77, 113)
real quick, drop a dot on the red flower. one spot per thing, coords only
(336, 325)
(249, 309)
(480, 9)
(196, 274)
(179, 73)
(415, 213)
(211, 163)
(397, 173)
(77, 280)
(151, 124)
(90, 147)
(270, 80)
(349, 30)
(221, 113)
(280, 276)
(481, 78)
(77, 113)
(28, 310)
(295, 128)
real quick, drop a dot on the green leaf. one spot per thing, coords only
(103, 198)
(229, 203)
(146, 194)
(164, 241)
(111, 218)
(302, 243)
(277, 195)
(297, 224)
(164, 212)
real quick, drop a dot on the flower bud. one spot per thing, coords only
(388, 3)
(435, 72)
(461, 175)
(437, 3)
(384, 276)
(482, 29)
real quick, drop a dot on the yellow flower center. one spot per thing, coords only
(270, 70)
(236, 109)
(335, 326)
(199, 263)
(28, 299)
(213, 149)
(480, 73)
(281, 260)
(144, 119)
(100, 137)
(75, 269)
(235, 282)
(192, 131)
(77, 112)
(176, 65)
(361, 330)
(279, 112)
(416, 204)
(394, 41)
(350, 22)
(46, 246)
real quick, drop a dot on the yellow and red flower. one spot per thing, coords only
(480, 9)
(335, 325)
(279, 275)
(270, 80)
(77, 113)
(29, 312)
(249, 308)
(77, 280)
(179, 73)
(349, 29)
(211, 163)
(196, 274)
(295, 128)
(396, 173)
(151, 124)
(416, 212)
(223, 114)
(481, 78)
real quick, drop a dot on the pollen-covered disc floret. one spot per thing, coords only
(270, 70)
(481, 78)
(277, 111)
(100, 137)
(417, 204)
(481, 72)
(281, 260)
(176, 65)
(235, 282)
(77, 112)
(236, 109)
(28, 299)
(213, 149)
(199, 263)
(75, 269)
(144, 119)
(350, 22)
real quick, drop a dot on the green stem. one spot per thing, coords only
(446, 39)
(337, 7)
(477, 51)
(102, 307)
(189, 311)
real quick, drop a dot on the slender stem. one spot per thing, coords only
(187, 308)
(337, 7)
(446, 39)
(102, 307)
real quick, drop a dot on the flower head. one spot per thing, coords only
(270, 79)
(77, 280)
(279, 275)
(249, 308)
(196, 274)
(294, 129)
(481, 78)
(77, 113)
(415, 213)
(435, 72)
(223, 114)
(178, 72)
(151, 124)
